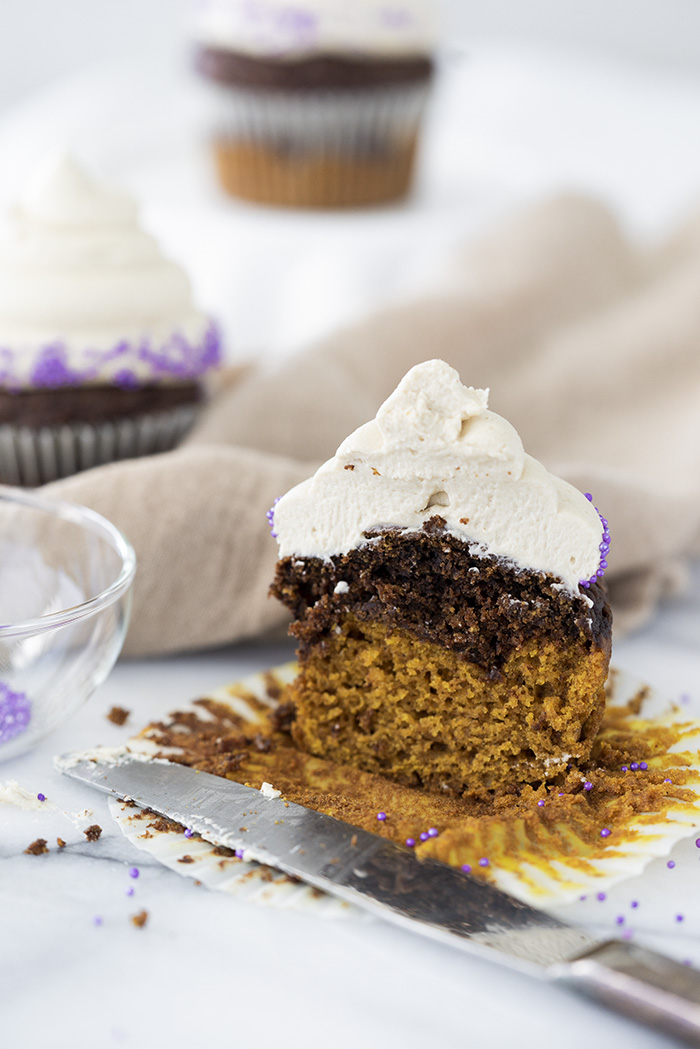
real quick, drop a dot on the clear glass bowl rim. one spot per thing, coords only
(94, 522)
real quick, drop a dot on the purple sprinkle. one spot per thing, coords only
(133, 872)
(41, 797)
(634, 766)
(601, 896)
(668, 781)
(424, 835)
(627, 934)
(381, 816)
(189, 833)
(97, 920)
(671, 864)
(466, 868)
(129, 891)
(643, 766)
(605, 833)
(634, 904)
(582, 898)
(238, 854)
(625, 768)
(588, 496)
(687, 961)
(433, 832)
(680, 917)
(410, 842)
(483, 862)
(540, 803)
(15, 713)
(588, 785)
(620, 919)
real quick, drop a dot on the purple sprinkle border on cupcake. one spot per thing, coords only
(604, 550)
(177, 358)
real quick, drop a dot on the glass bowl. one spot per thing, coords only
(65, 579)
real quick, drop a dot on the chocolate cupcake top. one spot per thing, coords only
(87, 297)
(294, 30)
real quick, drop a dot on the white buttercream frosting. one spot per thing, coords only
(87, 296)
(435, 449)
(279, 28)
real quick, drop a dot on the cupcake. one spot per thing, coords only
(318, 104)
(102, 352)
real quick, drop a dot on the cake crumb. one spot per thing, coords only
(37, 848)
(93, 832)
(118, 715)
(186, 859)
(61, 843)
(140, 919)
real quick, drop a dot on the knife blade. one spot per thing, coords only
(425, 896)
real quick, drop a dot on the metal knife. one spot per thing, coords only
(422, 895)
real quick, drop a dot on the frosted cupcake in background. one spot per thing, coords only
(319, 104)
(102, 352)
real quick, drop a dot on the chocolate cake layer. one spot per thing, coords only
(432, 585)
(331, 72)
(92, 404)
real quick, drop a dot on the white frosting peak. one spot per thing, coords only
(62, 193)
(87, 296)
(435, 448)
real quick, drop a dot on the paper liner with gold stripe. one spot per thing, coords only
(551, 868)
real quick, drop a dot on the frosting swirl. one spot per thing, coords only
(279, 28)
(86, 296)
(435, 449)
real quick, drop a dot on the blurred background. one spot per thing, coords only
(601, 96)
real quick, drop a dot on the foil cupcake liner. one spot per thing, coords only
(317, 149)
(546, 879)
(31, 457)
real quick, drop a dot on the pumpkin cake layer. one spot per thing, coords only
(442, 669)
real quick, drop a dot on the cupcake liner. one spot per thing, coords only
(318, 149)
(542, 875)
(30, 457)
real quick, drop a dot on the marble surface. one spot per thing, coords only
(210, 968)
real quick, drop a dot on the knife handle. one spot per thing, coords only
(643, 985)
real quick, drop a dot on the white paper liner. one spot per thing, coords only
(558, 882)
(30, 457)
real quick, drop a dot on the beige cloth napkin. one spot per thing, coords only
(591, 348)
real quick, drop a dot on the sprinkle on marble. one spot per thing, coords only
(130, 891)
(97, 920)
(381, 816)
(634, 903)
(41, 797)
(582, 898)
(239, 853)
(620, 920)
(627, 934)
(601, 896)
(134, 872)
(680, 917)
(671, 864)
(189, 833)
(605, 833)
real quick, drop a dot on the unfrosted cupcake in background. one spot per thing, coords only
(319, 104)
(102, 352)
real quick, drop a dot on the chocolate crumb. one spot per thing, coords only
(61, 843)
(37, 848)
(93, 832)
(185, 859)
(140, 919)
(350, 466)
(118, 715)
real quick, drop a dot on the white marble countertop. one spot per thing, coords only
(210, 969)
